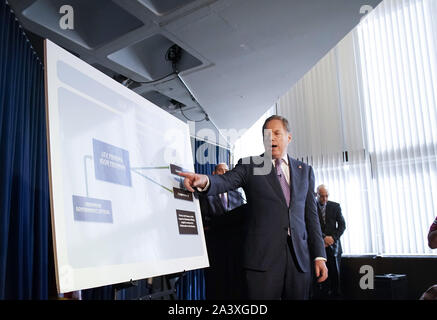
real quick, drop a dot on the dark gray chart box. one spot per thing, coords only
(182, 194)
(174, 169)
(186, 222)
(90, 209)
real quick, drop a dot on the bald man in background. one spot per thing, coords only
(333, 227)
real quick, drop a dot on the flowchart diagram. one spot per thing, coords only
(112, 164)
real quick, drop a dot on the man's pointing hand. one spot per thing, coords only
(194, 180)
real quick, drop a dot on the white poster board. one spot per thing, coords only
(119, 211)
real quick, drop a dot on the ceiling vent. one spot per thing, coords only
(149, 58)
(163, 7)
(95, 22)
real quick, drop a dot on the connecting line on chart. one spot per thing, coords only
(85, 158)
(146, 177)
(148, 168)
(88, 157)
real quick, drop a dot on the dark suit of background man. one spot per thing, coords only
(282, 236)
(333, 226)
(432, 235)
(222, 216)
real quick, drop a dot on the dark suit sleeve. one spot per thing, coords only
(341, 224)
(232, 179)
(315, 240)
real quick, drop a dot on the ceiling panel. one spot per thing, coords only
(239, 56)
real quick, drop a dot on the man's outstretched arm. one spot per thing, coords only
(215, 184)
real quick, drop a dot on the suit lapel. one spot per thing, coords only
(295, 172)
(328, 211)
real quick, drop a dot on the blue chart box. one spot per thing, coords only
(89, 209)
(111, 163)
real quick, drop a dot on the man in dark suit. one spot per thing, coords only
(222, 216)
(283, 241)
(333, 226)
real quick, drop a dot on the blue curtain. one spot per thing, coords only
(100, 293)
(192, 285)
(24, 196)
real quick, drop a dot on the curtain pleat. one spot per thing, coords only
(24, 200)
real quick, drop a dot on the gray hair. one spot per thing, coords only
(322, 186)
(277, 117)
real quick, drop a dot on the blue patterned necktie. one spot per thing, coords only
(282, 181)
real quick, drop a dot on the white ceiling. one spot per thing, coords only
(239, 56)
